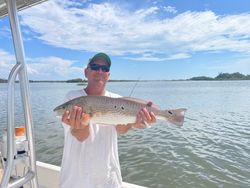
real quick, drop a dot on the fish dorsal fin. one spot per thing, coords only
(149, 104)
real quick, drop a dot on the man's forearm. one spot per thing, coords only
(81, 134)
(122, 129)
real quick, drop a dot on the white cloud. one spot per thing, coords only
(54, 68)
(170, 9)
(109, 28)
(143, 13)
(179, 56)
(154, 58)
(6, 63)
(146, 57)
(6, 59)
(44, 68)
(5, 32)
(71, 3)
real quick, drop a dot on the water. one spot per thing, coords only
(212, 149)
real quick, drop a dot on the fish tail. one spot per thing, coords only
(175, 116)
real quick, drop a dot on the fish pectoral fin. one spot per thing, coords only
(97, 114)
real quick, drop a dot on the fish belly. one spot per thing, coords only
(113, 119)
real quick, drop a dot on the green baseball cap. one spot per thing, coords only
(102, 56)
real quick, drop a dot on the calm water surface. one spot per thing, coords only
(212, 149)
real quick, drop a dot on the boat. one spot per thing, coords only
(18, 167)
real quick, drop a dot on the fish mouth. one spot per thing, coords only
(58, 108)
(55, 109)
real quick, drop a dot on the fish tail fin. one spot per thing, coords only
(175, 116)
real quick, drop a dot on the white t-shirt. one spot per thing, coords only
(93, 163)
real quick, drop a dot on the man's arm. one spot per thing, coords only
(78, 122)
(143, 117)
(81, 134)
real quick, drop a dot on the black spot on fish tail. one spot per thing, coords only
(170, 112)
(149, 104)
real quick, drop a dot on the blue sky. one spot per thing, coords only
(148, 39)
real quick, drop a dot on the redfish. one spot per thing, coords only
(113, 111)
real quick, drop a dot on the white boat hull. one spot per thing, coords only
(48, 176)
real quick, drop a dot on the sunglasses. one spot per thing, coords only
(96, 67)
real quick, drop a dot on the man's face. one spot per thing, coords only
(96, 72)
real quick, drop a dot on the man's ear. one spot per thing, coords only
(85, 72)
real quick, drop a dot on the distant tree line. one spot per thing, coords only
(3, 81)
(221, 76)
(77, 80)
(224, 76)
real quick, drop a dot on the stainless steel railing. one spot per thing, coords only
(10, 135)
(10, 129)
(19, 69)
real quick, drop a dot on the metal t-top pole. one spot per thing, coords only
(22, 73)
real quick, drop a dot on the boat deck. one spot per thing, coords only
(48, 176)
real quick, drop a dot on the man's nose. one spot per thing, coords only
(100, 70)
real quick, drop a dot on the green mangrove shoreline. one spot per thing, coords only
(220, 77)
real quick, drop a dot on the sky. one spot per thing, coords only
(146, 40)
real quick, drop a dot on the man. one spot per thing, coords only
(90, 156)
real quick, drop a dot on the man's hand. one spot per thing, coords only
(78, 121)
(143, 118)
